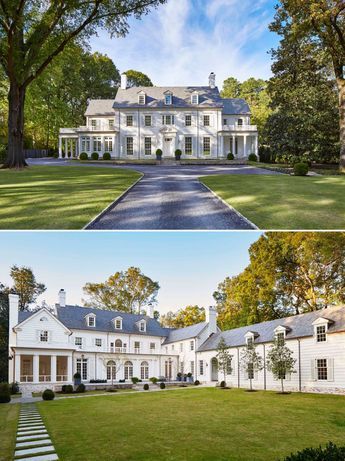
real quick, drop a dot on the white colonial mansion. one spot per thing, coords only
(47, 348)
(195, 120)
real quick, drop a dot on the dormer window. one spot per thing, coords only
(168, 98)
(250, 341)
(142, 98)
(142, 326)
(250, 337)
(280, 338)
(195, 99)
(118, 323)
(91, 320)
(280, 334)
(321, 333)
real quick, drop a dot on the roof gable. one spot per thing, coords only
(24, 320)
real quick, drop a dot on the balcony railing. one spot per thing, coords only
(97, 128)
(44, 378)
(240, 128)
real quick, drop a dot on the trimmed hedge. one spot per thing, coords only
(252, 158)
(94, 156)
(330, 453)
(83, 156)
(106, 156)
(300, 169)
(67, 389)
(48, 394)
(154, 380)
(5, 393)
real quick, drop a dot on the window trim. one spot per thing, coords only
(129, 117)
(189, 116)
(204, 150)
(44, 334)
(129, 149)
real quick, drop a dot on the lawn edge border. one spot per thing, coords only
(112, 204)
(240, 215)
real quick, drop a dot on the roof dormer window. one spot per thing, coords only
(91, 320)
(142, 326)
(118, 323)
(250, 337)
(280, 334)
(168, 98)
(321, 326)
(195, 98)
(142, 98)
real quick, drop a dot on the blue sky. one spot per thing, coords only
(188, 265)
(181, 42)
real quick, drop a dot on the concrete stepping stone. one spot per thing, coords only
(33, 451)
(35, 432)
(23, 438)
(30, 429)
(49, 457)
(34, 423)
(34, 443)
(30, 420)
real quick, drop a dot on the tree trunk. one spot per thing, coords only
(282, 380)
(341, 88)
(15, 152)
(251, 385)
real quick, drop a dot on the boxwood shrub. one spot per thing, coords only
(94, 156)
(252, 158)
(162, 385)
(5, 393)
(300, 169)
(146, 387)
(230, 156)
(178, 154)
(330, 453)
(135, 380)
(67, 389)
(48, 394)
(196, 382)
(106, 156)
(83, 156)
(80, 388)
(153, 380)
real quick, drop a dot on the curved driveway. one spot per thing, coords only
(170, 198)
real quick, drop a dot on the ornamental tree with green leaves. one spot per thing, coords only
(33, 33)
(136, 78)
(224, 358)
(324, 22)
(129, 291)
(280, 361)
(251, 362)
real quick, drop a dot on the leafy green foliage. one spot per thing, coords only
(146, 387)
(230, 156)
(251, 362)
(280, 361)
(136, 78)
(185, 317)
(330, 453)
(224, 359)
(80, 388)
(83, 156)
(178, 154)
(300, 169)
(5, 394)
(106, 156)
(128, 291)
(252, 158)
(26, 286)
(48, 394)
(162, 385)
(94, 156)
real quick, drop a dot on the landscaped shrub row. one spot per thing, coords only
(98, 381)
(67, 389)
(330, 453)
(95, 156)
(252, 158)
(5, 393)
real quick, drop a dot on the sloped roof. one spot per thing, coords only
(100, 107)
(73, 317)
(235, 107)
(208, 97)
(185, 333)
(300, 326)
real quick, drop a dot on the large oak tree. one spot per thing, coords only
(33, 33)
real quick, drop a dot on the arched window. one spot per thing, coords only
(111, 370)
(118, 345)
(128, 370)
(144, 370)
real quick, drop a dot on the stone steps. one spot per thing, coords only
(33, 442)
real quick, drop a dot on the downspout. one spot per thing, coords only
(139, 153)
(299, 367)
(197, 134)
(264, 366)
(238, 368)
(95, 365)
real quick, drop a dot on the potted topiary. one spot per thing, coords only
(159, 154)
(179, 376)
(77, 378)
(190, 377)
(178, 154)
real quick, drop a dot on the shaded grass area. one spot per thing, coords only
(193, 424)
(47, 197)
(284, 202)
(8, 426)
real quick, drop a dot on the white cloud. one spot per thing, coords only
(181, 42)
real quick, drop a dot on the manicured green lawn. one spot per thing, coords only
(192, 424)
(50, 197)
(8, 427)
(284, 202)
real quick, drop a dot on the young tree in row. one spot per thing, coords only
(128, 291)
(33, 33)
(251, 362)
(224, 359)
(26, 286)
(280, 361)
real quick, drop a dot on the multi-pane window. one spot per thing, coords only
(152, 346)
(321, 333)
(108, 144)
(201, 367)
(142, 326)
(168, 99)
(129, 146)
(191, 345)
(280, 338)
(128, 370)
(148, 120)
(322, 370)
(98, 342)
(188, 120)
(144, 370)
(206, 120)
(228, 366)
(97, 144)
(148, 146)
(118, 324)
(85, 144)
(91, 321)
(207, 146)
(44, 335)
(142, 99)
(250, 371)
(111, 123)
(168, 120)
(137, 346)
(82, 368)
(195, 99)
(129, 120)
(111, 370)
(225, 121)
(181, 347)
(192, 367)
(188, 145)
(240, 122)
(94, 123)
(78, 341)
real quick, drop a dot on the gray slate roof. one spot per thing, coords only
(181, 334)
(73, 317)
(235, 107)
(300, 325)
(208, 97)
(100, 107)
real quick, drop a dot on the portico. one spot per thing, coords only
(42, 367)
(240, 144)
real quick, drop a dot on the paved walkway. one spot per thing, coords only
(170, 197)
(33, 442)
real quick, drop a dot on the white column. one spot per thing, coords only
(234, 145)
(36, 368)
(17, 369)
(66, 147)
(60, 147)
(257, 145)
(69, 369)
(53, 359)
(245, 145)
(221, 154)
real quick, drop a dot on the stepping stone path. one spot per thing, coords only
(33, 442)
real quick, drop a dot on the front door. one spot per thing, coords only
(168, 146)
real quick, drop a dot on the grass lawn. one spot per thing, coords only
(192, 424)
(8, 427)
(47, 197)
(284, 202)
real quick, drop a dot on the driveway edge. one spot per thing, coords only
(254, 226)
(112, 204)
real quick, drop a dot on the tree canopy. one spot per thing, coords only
(136, 78)
(184, 317)
(129, 291)
(25, 286)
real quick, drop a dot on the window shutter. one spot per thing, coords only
(313, 370)
(330, 369)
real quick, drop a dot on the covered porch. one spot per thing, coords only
(240, 145)
(68, 143)
(42, 368)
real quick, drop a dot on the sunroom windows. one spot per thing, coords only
(85, 144)
(97, 144)
(129, 145)
(108, 144)
(148, 146)
(188, 145)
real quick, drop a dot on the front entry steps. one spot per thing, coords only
(33, 442)
(168, 161)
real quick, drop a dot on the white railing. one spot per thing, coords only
(96, 128)
(68, 130)
(120, 350)
(61, 378)
(44, 378)
(137, 350)
(240, 128)
(26, 378)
